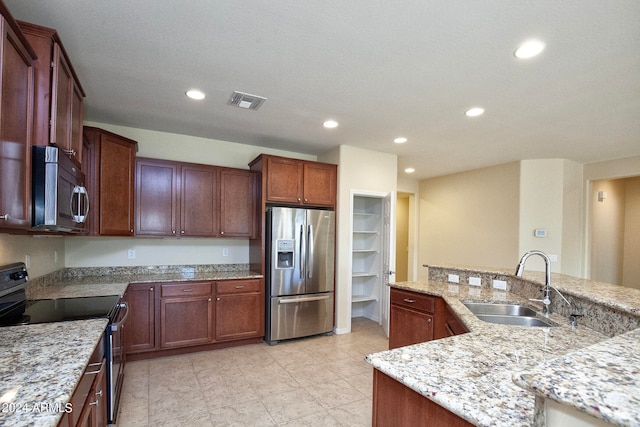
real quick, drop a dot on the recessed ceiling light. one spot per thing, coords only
(400, 140)
(474, 112)
(529, 49)
(195, 94)
(409, 170)
(330, 124)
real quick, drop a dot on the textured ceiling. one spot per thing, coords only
(382, 69)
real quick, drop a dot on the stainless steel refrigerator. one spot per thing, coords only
(300, 254)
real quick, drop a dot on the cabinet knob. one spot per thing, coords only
(173, 231)
(306, 200)
(151, 289)
(298, 198)
(222, 232)
(209, 299)
(429, 320)
(131, 231)
(5, 217)
(218, 299)
(182, 232)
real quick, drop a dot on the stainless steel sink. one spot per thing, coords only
(499, 309)
(507, 314)
(515, 320)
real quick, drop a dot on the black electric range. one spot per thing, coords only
(16, 309)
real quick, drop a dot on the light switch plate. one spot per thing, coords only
(500, 284)
(475, 281)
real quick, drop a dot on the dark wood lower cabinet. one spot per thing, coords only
(395, 404)
(167, 318)
(88, 404)
(141, 325)
(408, 327)
(239, 309)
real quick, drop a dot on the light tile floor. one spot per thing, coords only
(317, 381)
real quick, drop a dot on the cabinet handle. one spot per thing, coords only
(240, 287)
(70, 152)
(5, 217)
(94, 403)
(187, 290)
(99, 393)
(410, 301)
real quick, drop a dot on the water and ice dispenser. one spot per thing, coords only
(285, 250)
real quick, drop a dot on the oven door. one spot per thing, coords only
(115, 360)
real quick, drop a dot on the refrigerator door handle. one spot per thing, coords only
(307, 299)
(303, 252)
(310, 252)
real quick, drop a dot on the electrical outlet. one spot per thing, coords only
(475, 281)
(454, 278)
(131, 254)
(500, 284)
(225, 251)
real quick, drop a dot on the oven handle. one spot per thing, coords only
(116, 325)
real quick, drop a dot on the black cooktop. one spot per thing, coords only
(62, 309)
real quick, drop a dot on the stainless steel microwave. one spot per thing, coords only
(60, 200)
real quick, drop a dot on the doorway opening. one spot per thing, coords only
(614, 231)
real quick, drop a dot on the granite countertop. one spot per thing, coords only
(40, 366)
(473, 374)
(84, 286)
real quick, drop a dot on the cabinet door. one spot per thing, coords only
(239, 309)
(61, 99)
(116, 167)
(186, 321)
(156, 198)
(15, 132)
(320, 182)
(237, 203)
(199, 201)
(408, 327)
(284, 180)
(141, 325)
(77, 115)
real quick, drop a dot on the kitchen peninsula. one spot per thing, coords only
(500, 375)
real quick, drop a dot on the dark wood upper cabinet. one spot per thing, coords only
(157, 192)
(16, 106)
(109, 167)
(297, 182)
(238, 202)
(58, 97)
(194, 200)
(198, 200)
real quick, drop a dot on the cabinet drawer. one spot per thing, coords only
(238, 286)
(185, 289)
(413, 300)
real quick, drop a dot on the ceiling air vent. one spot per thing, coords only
(245, 100)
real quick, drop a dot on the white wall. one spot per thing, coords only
(40, 250)
(471, 218)
(362, 170)
(411, 187)
(541, 207)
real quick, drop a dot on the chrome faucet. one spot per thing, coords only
(546, 300)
